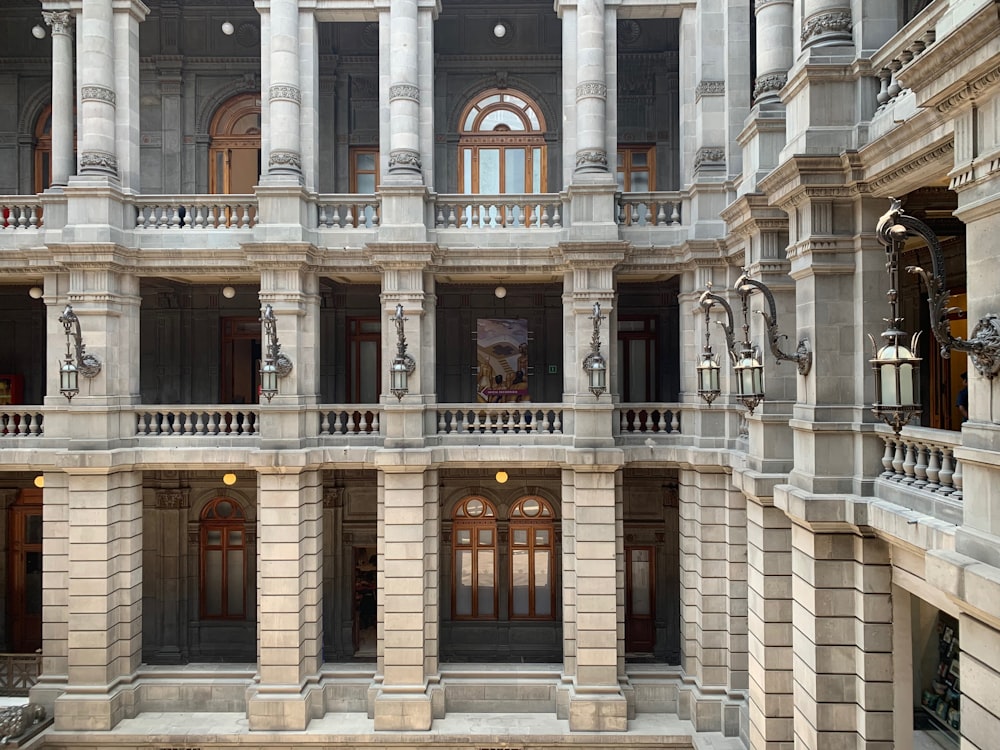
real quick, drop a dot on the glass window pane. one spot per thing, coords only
(368, 355)
(370, 326)
(214, 537)
(471, 119)
(531, 507)
(640, 582)
(640, 182)
(501, 118)
(492, 99)
(235, 538)
(511, 99)
(541, 537)
(220, 172)
(467, 170)
(620, 179)
(486, 537)
(463, 582)
(520, 537)
(463, 536)
(639, 159)
(533, 119)
(234, 563)
(33, 583)
(365, 183)
(543, 588)
(365, 162)
(213, 583)
(489, 171)
(475, 507)
(638, 385)
(514, 177)
(33, 529)
(536, 170)
(519, 583)
(485, 583)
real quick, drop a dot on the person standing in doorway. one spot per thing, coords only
(962, 402)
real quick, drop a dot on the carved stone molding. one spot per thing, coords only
(629, 32)
(60, 21)
(834, 22)
(404, 91)
(709, 156)
(591, 90)
(404, 159)
(284, 92)
(285, 159)
(942, 153)
(974, 90)
(591, 158)
(98, 94)
(333, 497)
(248, 35)
(369, 35)
(98, 161)
(769, 82)
(709, 88)
(761, 3)
(172, 499)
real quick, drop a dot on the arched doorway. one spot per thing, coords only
(234, 152)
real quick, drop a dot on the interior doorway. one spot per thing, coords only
(234, 153)
(24, 579)
(640, 616)
(365, 615)
(240, 370)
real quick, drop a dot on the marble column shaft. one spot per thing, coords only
(404, 89)
(63, 95)
(591, 88)
(283, 95)
(775, 52)
(96, 77)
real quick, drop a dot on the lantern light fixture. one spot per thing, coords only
(594, 363)
(403, 364)
(275, 364)
(78, 361)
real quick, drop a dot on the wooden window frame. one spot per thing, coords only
(355, 337)
(461, 521)
(649, 335)
(224, 141)
(627, 169)
(517, 521)
(207, 524)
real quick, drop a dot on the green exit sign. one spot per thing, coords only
(553, 369)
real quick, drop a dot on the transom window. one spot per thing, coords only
(474, 534)
(223, 560)
(532, 559)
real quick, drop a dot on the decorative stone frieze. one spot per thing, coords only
(835, 22)
(98, 161)
(288, 159)
(404, 91)
(284, 92)
(974, 90)
(709, 156)
(592, 158)
(880, 184)
(171, 499)
(404, 159)
(60, 21)
(591, 90)
(98, 94)
(709, 88)
(769, 82)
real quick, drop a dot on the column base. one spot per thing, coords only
(403, 711)
(598, 712)
(292, 711)
(98, 712)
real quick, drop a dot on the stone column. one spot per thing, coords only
(283, 96)
(166, 542)
(127, 17)
(290, 550)
(104, 583)
(406, 697)
(308, 53)
(63, 98)
(591, 90)
(592, 616)
(97, 91)
(775, 52)
(404, 94)
(826, 23)
(171, 79)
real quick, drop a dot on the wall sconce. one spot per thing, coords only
(983, 347)
(276, 364)
(747, 363)
(594, 364)
(402, 364)
(76, 363)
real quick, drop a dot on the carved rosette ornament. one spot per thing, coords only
(404, 91)
(404, 160)
(592, 159)
(60, 21)
(284, 161)
(824, 26)
(98, 161)
(591, 90)
(709, 156)
(284, 92)
(767, 83)
(98, 94)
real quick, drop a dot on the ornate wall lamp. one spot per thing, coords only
(275, 363)
(594, 364)
(77, 361)
(402, 364)
(747, 364)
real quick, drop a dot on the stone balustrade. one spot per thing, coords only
(197, 421)
(525, 211)
(500, 419)
(909, 43)
(923, 459)
(348, 211)
(21, 422)
(350, 420)
(659, 209)
(635, 419)
(20, 212)
(195, 212)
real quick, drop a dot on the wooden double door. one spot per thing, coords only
(24, 572)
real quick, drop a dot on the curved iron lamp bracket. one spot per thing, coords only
(802, 357)
(401, 354)
(86, 364)
(983, 347)
(595, 338)
(706, 301)
(282, 362)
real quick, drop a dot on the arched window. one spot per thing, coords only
(532, 559)
(43, 150)
(474, 542)
(223, 560)
(502, 145)
(234, 153)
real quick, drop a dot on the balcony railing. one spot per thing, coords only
(919, 470)
(909, 43)
(195, 212)
(525, 211)
(22, 422)
(350, 420)
(500, 419)
(196, 421)
(649, 209)
(20, 212)
(348, 211)
(664, 419)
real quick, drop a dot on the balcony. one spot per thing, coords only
(20, 221)
(919, 471)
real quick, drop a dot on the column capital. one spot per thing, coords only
(60, 21)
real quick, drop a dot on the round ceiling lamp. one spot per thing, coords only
(228, 28)
(229, 479)
(500, 292)
(228, 291)
(38, 31)
(500, 30)
(502, 477)
(35, 292)
(40, 481)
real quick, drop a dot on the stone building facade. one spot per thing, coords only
(479, 199)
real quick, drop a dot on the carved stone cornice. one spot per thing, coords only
(95, 93)
(591, 90)
(883, 184)
(836, 22)
(975, 89)
(284, 92)
(709, 88)
(404, 91)
(761, 3)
